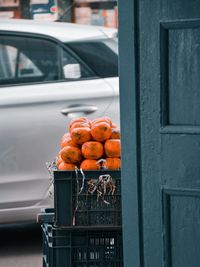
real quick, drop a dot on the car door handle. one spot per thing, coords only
(84, 109)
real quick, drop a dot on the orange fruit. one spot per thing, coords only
(89, 164)
(59, 159)
(81, 135)
(102, 119)
(66, 140)
(79, 125)
(112, 148)
(80, 119)
(92, 150)
(115, 133)
(114, 125)
(63, 166)
(112, 163)
(101, 131)
(71, 154)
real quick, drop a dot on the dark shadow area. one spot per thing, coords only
(21, 239)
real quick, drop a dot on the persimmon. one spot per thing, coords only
(79, 125)
(102, 119)
(112, 148)
(67, 141)
(71, 154)
(65, 136)
(114, 125)
(92, 150)
(59, 160)
(115, 133)
(101, 131)
(80, 119)
(63, 166)
(81, 135)
(90, 164)
(112, 163)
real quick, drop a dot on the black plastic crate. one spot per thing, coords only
(47, 215)
(89, 198)
(82, 248)
(45, 247)
(46, 218)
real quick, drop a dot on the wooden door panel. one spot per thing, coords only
(180, 164)
(180, 145)
(169, 82)
(161, 68)
(181, 222)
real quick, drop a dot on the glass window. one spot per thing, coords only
(10, 59)
(101, 56)
(76, 68)
(11, 53)
(28, 60)
(25, 60)
(26, 68)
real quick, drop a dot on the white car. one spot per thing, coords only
(49, 73)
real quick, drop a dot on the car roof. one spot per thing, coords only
(63, 31)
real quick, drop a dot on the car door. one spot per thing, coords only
(37, 100)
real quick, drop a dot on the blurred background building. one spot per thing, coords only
(94, 12)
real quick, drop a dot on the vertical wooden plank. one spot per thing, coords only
(149, 30)
(159, 63)
(129, 112)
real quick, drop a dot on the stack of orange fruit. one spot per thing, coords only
(90, 145)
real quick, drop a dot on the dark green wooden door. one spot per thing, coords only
(164, 37)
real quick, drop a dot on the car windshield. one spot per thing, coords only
(100, 55)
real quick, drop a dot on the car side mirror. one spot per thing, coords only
(72, 71)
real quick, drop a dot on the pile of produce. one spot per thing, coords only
(90, 145)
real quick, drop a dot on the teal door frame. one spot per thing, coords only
(129, 113)
(159, 65)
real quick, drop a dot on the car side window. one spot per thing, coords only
(10, 56)
(100, 55)
(74, 67)
(25, 59)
